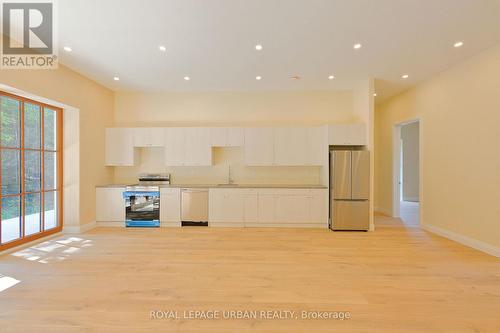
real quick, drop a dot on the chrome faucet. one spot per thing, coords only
(229, 177)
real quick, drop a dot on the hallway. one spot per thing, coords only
(410, 213)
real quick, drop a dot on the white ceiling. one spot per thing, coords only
(213, 42)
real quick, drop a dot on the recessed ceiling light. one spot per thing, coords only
(458, 44)
(405, 76)
(258, 77)
(67, 49)
(331, 77)
(116, 78)
(357, 46)
(187, 78)
(162, 48)
(374, 94)
(258, 47)
(295, 77)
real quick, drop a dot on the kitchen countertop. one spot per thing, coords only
(291, 186)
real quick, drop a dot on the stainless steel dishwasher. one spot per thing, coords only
(194, 206)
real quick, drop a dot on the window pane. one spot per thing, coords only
(50, 210)
(11, 220)
(32, 171)
(31, 126)
(50, 170)
(49, 129)
(32, 221)
(11, 171)
(10, 122)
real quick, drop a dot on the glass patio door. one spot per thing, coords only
(30, 170)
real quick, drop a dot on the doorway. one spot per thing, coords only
(407, 172)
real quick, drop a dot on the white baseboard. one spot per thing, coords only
(170, 224)
(111, 224)
(78, 229)
(288, 225)
(467, 241)
(411, 199)
(226, 224)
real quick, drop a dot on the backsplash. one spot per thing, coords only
(152, 160)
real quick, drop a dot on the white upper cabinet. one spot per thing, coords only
(357, 135)
(218, 136)
(119, 147)
(347, 135)
(317, 146)
(290, 146)
(175, 141)
(235, 137)
(227, 136)
(198, 147)
(259, 146)
(149, 137)
(285, 146)
(187, 146)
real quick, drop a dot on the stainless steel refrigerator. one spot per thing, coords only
(349, 190)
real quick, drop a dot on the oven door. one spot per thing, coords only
(142, 209)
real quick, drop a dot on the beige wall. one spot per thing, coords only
(410, 159)
(232, 108)
(364, 111)
(95, 104)
(460, 113)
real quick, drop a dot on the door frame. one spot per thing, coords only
(396, 165)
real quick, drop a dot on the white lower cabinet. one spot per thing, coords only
(293, 207)
(170, 207)
(268, 207)
(232, 207)
(250, 206)
(319, 206)
(110, 205)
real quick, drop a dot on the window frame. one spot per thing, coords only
(58, 150)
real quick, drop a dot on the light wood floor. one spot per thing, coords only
(396, 279)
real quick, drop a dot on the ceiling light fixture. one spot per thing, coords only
(458, 44)
(374, 94)
(331, 77)
(405, 76)
(116, 78)
(187, 78)
(258, 47)
(295, 77)
(258, 77)
(67, 49)
(357, 46)
(162, 48)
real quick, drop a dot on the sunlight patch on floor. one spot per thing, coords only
(6, 282)
(53, 250)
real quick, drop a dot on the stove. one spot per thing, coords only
(142, 201)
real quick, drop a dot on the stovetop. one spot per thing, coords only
(150, 182)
